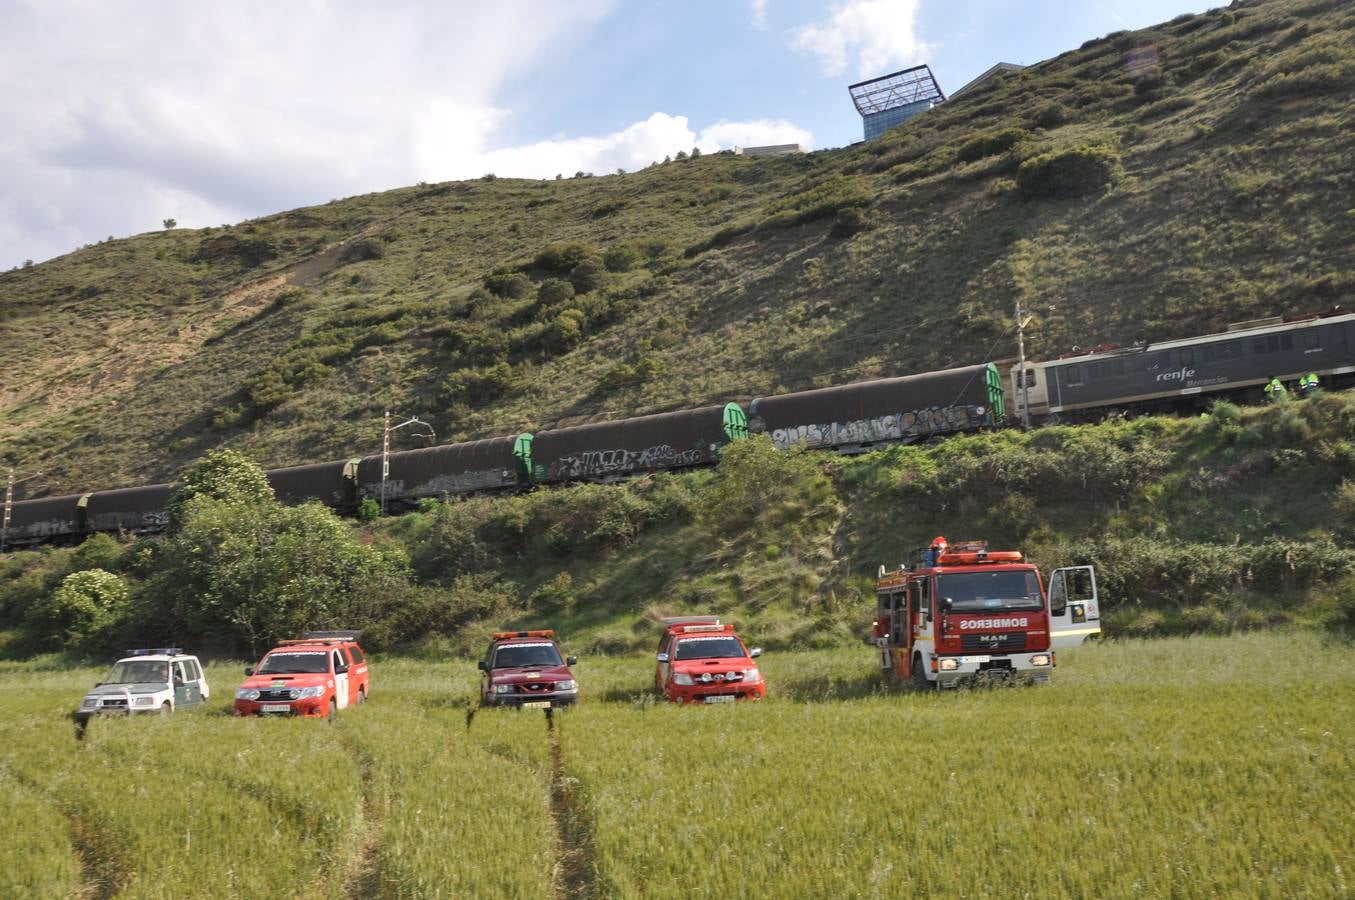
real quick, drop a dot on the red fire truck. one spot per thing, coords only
(964, 613)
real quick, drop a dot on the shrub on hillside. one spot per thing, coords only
(759, 487)
(554, 291)
(990, 144)
(560, 258)
(588, 275)
(513, 285)
(623, 258)
(1068, 173)
(848, 222)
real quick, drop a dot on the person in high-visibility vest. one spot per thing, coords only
(1275, 390)
(1307, 384)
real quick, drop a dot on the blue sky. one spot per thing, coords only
(121, 115)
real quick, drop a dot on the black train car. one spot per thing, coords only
(1190, 371)
(851, 417)
(332, 483)
(451, 469)
(44, 519)
(133, 510)
(606, 450)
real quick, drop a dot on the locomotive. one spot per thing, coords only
(850, 418)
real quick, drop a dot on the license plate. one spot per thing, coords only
(724, 699)
(274, 707)
(976, 659)
(536, 704)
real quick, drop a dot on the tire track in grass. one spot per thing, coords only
(363, 878)
(575, 870)
(104, 867)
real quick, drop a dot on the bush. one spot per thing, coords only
(623, 258)
(990, 144)
(554, 291)
(85, 606)
(512, 285)
(1072, 172)
(588, 275)
(848, 222)
(561, 258)
(1050, 115)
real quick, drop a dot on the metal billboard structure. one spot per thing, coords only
(892, 99)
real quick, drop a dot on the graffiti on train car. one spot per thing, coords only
(460, 483)
(914, 423)
(603, 462)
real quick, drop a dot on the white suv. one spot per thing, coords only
(147, 681)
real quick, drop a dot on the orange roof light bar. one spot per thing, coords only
(505, 635)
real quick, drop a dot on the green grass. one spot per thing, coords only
(1181, 767)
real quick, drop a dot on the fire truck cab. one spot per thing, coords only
(965, 614)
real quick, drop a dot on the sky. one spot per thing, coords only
(119, 115)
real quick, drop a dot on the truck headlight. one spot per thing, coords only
(948, 665)
(682, 678)
(89, 702)
(246, 694)
(566, 685)
(503, 689)
(1040, 659)
(751, 675)
(145, 701)
(317, 691)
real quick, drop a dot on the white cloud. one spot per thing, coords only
(120, 115)
(879, 34)
(759, 11)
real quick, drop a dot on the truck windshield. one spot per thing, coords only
(983, 591)
(710, 648)
(523, 655)
(139, 671)
(294, 664)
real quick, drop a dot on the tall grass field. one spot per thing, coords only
(1208, 766)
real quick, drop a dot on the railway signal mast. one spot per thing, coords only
(9, 505)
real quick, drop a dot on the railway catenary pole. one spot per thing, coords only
(386, 430)
(9, 505)
(1022, 378)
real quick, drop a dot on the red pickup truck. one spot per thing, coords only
(315, 676)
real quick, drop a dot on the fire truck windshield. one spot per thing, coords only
(985, 591)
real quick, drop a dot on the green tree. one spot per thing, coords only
(85, 605)
(170, 223)
(242, 574)
(226, 475)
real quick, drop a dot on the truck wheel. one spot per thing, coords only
(165, 708)
(333, 708)
(362, 696)
(920, 681)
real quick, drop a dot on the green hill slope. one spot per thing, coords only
(1150, 184)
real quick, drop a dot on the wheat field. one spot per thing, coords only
(1191, 767)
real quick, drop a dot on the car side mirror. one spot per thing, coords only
(249, 670)
(662, 657)
(571, 660)
(482, 665)
(947, 603)
(98, 684)
(341, 670)
(755, 653)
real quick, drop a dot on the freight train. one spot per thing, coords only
(848, 418)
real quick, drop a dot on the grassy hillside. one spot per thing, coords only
(1149, 184)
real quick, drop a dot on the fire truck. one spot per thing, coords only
(963, 613)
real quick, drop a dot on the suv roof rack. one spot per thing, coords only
(342, 635)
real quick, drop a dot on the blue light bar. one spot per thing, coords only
(156, 651)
